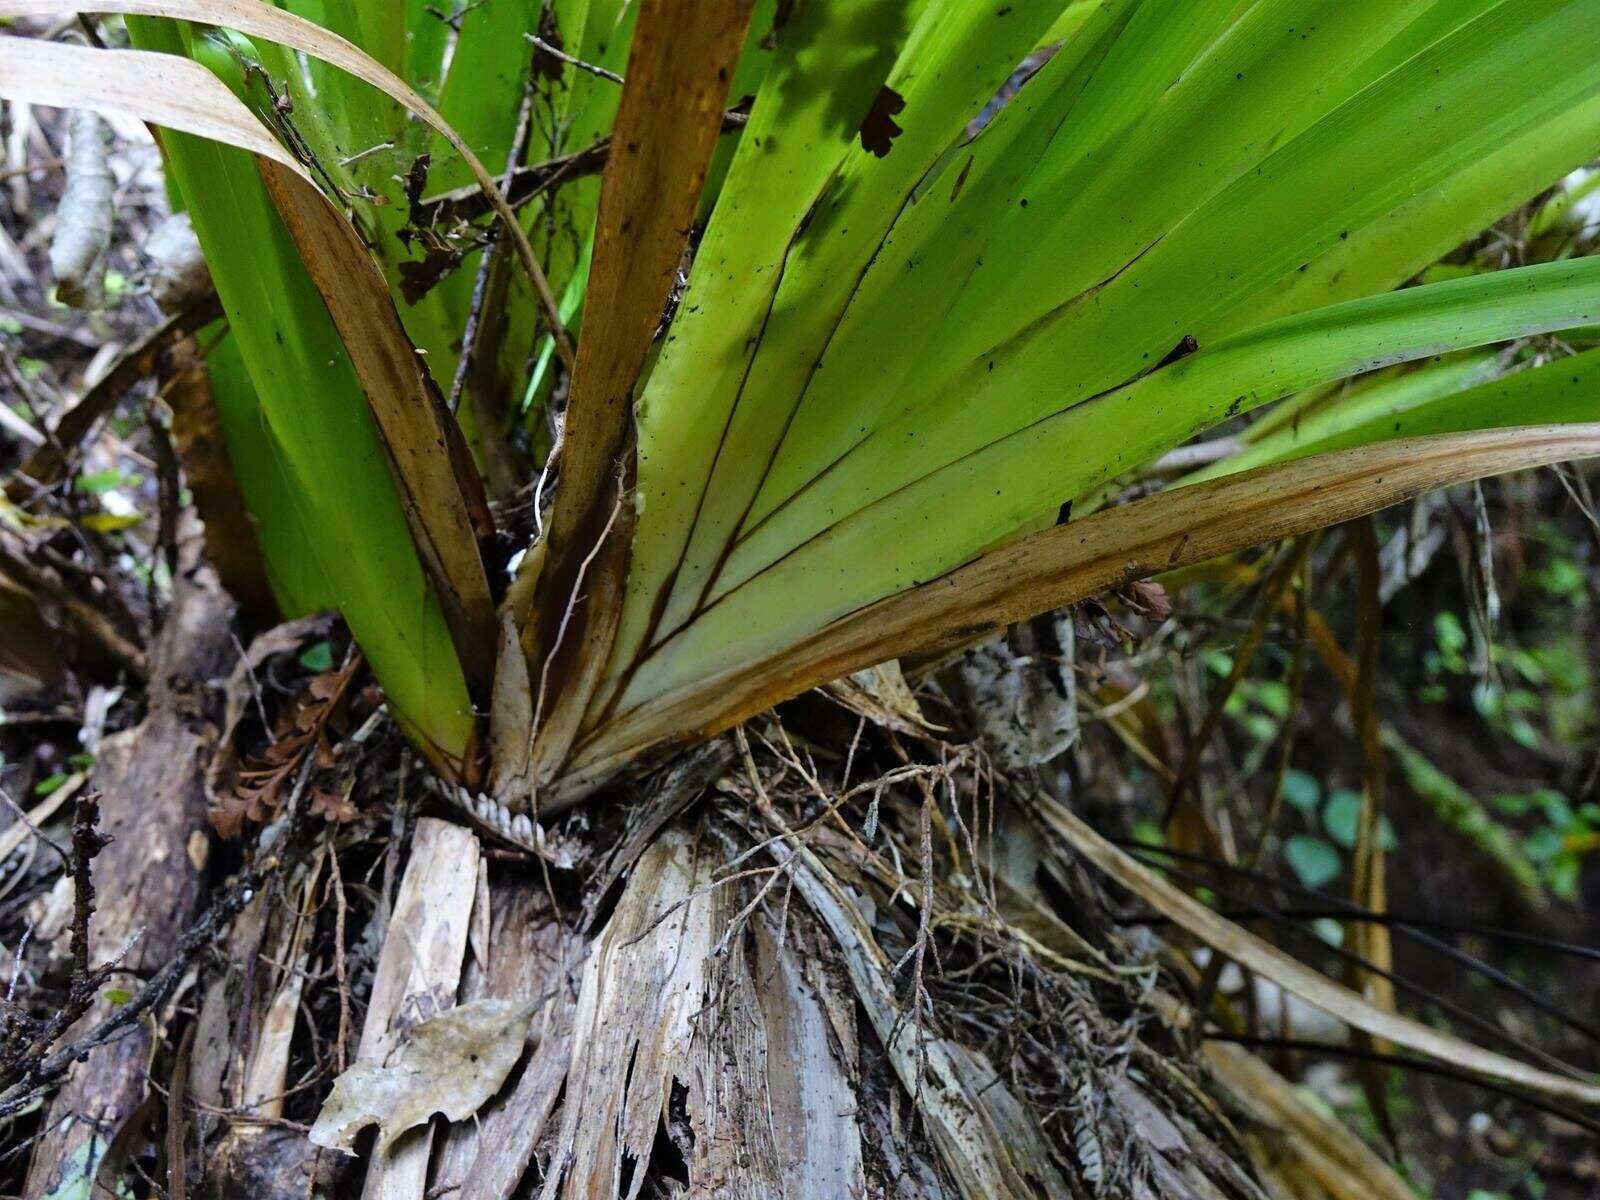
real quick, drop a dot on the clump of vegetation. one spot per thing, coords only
(620, 371)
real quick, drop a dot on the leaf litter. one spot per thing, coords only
(452, 1064)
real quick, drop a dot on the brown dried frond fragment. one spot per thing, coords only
(878, 128)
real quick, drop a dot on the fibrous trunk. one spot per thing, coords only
(762, 981)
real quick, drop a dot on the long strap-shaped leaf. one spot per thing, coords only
(768, 286)
(180, 94)
(769, 595)
(263, 20)
(668, 122)
(1073, 561)
(1447, 398)
(1261, 958)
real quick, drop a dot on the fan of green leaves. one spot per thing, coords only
(918, 325)
(885, 365)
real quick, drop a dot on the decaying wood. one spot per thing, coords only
(218, 1051)
(152, 785)
(267, 1074)
(240, 1055)
(418, 974)
(772, 1100)
(528, 959)
(679, 786)
(645, 981)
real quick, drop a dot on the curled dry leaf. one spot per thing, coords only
(83, 218)
(1147, 598)
(450, 1064)
(334, 807)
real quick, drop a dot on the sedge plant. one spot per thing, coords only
(830, 342)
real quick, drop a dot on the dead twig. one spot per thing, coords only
(336, 885)
(529, 182)
(553, 51)
(87, 841)
(177, 1143)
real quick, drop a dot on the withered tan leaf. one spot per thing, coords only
(1071, 562)
(1342, 1165)
(197, 436)
(450, 1064)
